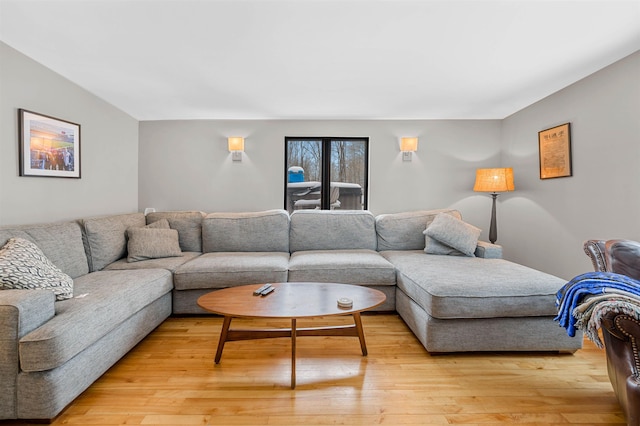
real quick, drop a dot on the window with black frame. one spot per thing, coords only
(326, 173)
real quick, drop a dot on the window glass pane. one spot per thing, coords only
(306, 154)
(348, 174)
(304, 173)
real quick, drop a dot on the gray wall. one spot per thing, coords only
(543, 223)
(186, 165)
(109, 148)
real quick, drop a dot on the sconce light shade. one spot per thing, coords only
(236, 143)
(408, 144)
(236, 147)
(494, 180)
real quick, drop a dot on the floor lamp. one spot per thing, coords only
(494, 181)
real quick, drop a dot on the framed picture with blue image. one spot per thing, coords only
(48, 146)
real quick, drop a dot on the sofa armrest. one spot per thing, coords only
(21, 311)
(488, 251)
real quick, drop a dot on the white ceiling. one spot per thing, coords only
(322, 59)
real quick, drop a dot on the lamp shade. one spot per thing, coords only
(408, 144)
(494, 180)
(236, 143)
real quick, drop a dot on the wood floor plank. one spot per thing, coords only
(170, 379)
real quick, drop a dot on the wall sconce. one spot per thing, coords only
(236, 147)
(494, 180)
(408, 146)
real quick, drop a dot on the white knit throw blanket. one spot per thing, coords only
(590, 313)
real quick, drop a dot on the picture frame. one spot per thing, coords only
(48, 146)
(554, 146)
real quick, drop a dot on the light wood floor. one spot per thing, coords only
(170, 379)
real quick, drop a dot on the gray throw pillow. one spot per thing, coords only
(152, 243)
(24, 266)
(454, 233)
(159, 224)
(432, 246)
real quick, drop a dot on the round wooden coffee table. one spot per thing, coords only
(292, 300)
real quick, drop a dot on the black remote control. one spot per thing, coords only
(261, 289)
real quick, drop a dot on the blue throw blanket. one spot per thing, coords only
(589, 284)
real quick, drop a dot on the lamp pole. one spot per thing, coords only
(493, 229)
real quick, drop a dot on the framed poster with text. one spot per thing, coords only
(555, 152)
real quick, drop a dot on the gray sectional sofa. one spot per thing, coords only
(52, 350)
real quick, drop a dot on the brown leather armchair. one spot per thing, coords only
(621, 333)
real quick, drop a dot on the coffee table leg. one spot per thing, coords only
(293, 353)
(223, 337)
(358, 322)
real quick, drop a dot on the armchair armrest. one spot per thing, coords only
(595, 250)
(21, 311)
(621, 334)
(623, 327)
(617, 256)
(488, 251)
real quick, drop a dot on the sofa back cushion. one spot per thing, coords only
(60, 242)
(332, 230)
(246, 232)
(187, 223)
(404, 231)
(105, 238)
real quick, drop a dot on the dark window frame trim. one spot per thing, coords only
(326, 166)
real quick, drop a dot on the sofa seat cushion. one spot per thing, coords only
(449, 287)
(102, 300)
(363, 267)
(227, 269)
(169, 263)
